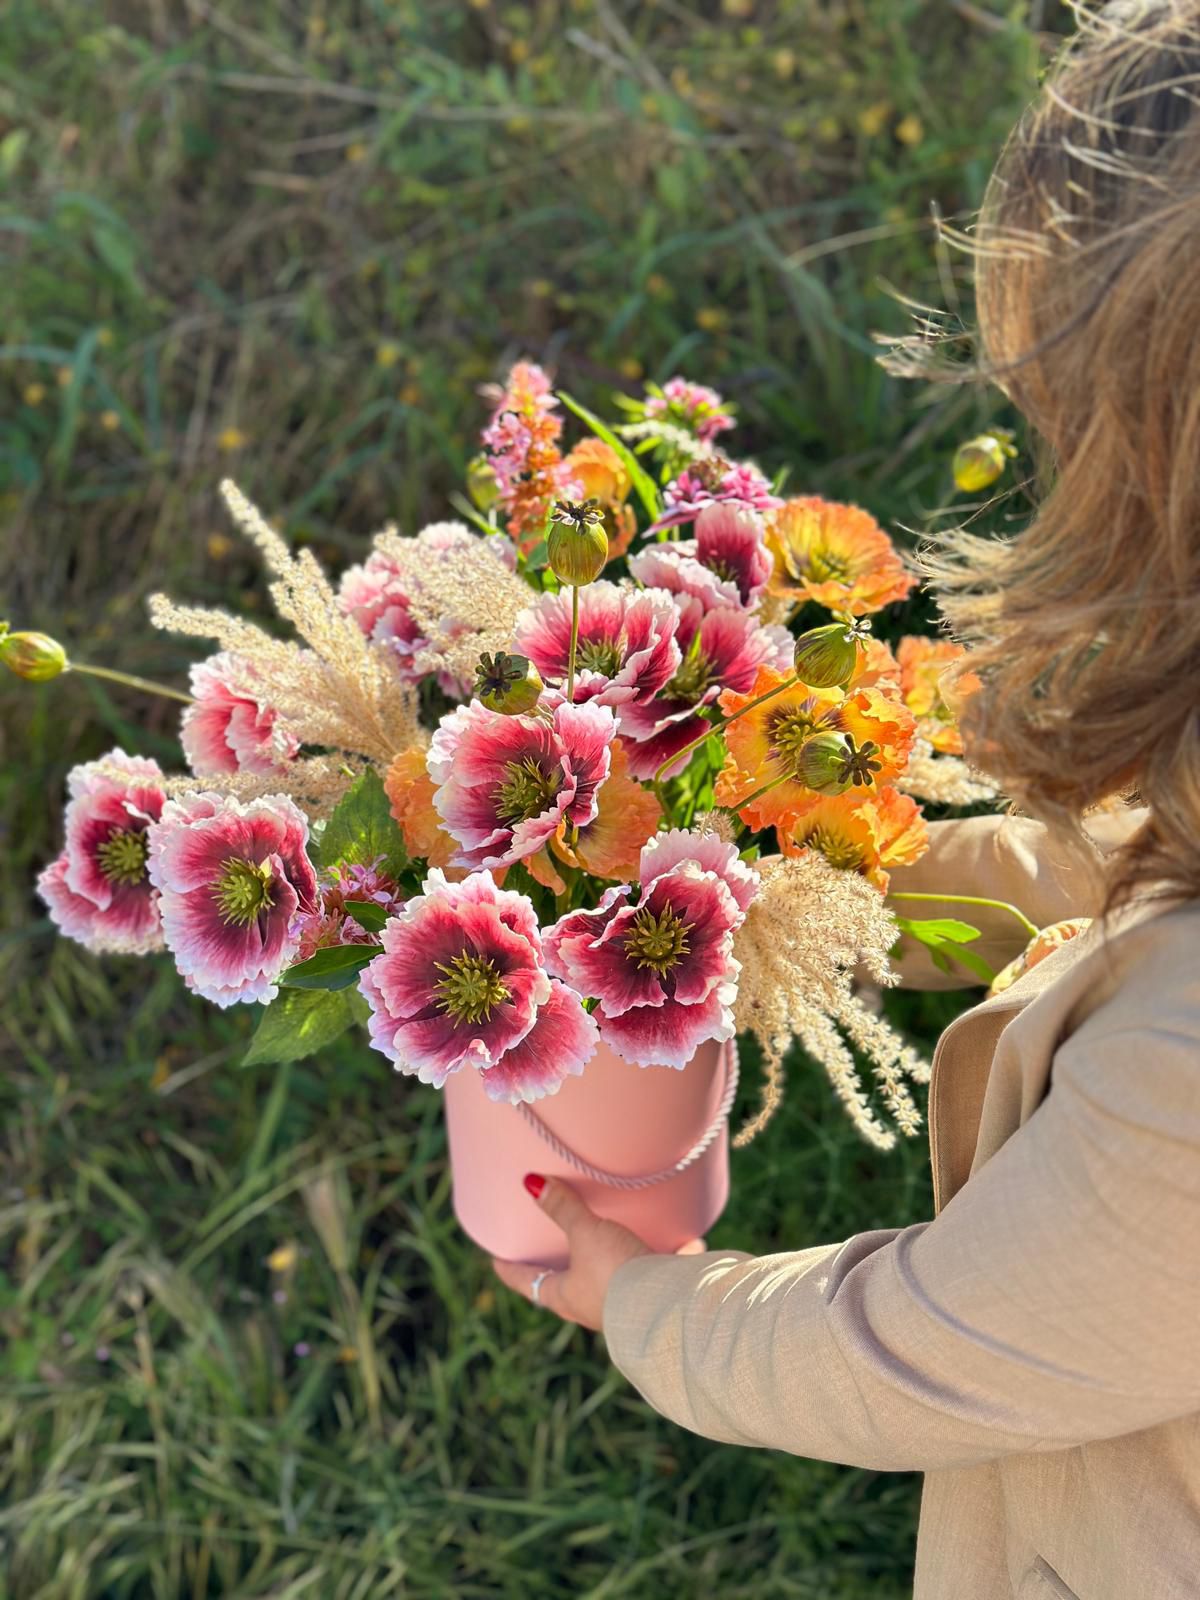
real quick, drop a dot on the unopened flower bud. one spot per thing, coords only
(482, 483)
(577, 545)
(980, 461)
(34, 656)
(825, 657)
(509, 684)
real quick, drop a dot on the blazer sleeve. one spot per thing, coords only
(1054, 1301)
(1009, 858)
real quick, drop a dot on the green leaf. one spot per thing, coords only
(367, 914)
(300, 1022)
(641, 480)
(334, 968)
(941, 930)
(362, 828)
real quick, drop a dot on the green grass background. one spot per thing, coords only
(289, 242)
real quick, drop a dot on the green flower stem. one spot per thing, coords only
(741, 805)
(147, 685)
(721, 723)
(574, 642)
(973, 900)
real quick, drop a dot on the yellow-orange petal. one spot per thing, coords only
(863, 832)
(542, 869)
(600, 471)
(877, 668)
(410, 791)
(932, 689)
(835, 554)
(869, 715)
(627, 815)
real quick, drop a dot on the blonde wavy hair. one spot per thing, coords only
(1085, 628)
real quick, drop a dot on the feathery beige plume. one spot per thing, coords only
(807, 929)
(946, 780)
(336, 688)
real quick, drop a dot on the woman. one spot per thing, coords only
(1035, 1349)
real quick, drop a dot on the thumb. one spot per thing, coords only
(563, 1206)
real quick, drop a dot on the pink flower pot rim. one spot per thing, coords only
(617, 1180)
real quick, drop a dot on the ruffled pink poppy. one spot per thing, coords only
(232, 878)
(667, 850)
(460, 980)
(713, 479)
(558, 1046)
(662, 971)
(229, 727)
(98, 891)
(626, 644)
(720, 647)
(506, 784)
(727, 563)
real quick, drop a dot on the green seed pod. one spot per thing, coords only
(33, 656)
(508, 684)
(980, 461)
(825, 764)
(825, 657)
(577, 545)
(482, 486)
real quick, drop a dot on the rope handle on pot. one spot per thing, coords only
(614, 1179)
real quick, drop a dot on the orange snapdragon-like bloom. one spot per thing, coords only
(863, 832)
(602, 476)
(410, 790)
(837, 555)
(764, 745)
(922, 664)
(627, 816)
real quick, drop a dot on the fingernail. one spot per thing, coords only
(535, 1183)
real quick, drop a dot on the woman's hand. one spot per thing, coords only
(597, 1248)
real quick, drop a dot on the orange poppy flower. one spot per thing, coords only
(763, 745)
(627, 815)
(837, 555)
(877, 668)
(598, 468)
(410, 790)
(860, 832)
(922, 665)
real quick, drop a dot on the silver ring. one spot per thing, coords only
(535, 1288)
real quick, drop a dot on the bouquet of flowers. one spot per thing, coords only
(614, 757)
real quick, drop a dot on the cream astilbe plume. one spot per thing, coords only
(315, 783)
(946, 780)
(335, 688)
(807, 929)
(464, 599)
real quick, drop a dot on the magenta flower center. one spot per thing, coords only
(694, 677)
(243, 890)
(471, 989)
(122, 856)
(600, 655)
(526, 792)
(659, 942)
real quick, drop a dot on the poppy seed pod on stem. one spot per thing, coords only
(509, 684)
(577, 545)
(826, 657)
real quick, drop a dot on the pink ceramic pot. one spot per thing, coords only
(624, 1119)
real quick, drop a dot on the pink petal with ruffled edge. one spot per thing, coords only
(639, 627)
(669, 848)
(447, 920)
(669, 1035)
(558, 1046)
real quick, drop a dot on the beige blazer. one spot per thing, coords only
(1035, 1349)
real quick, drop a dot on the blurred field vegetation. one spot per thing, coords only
(243, 1350)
